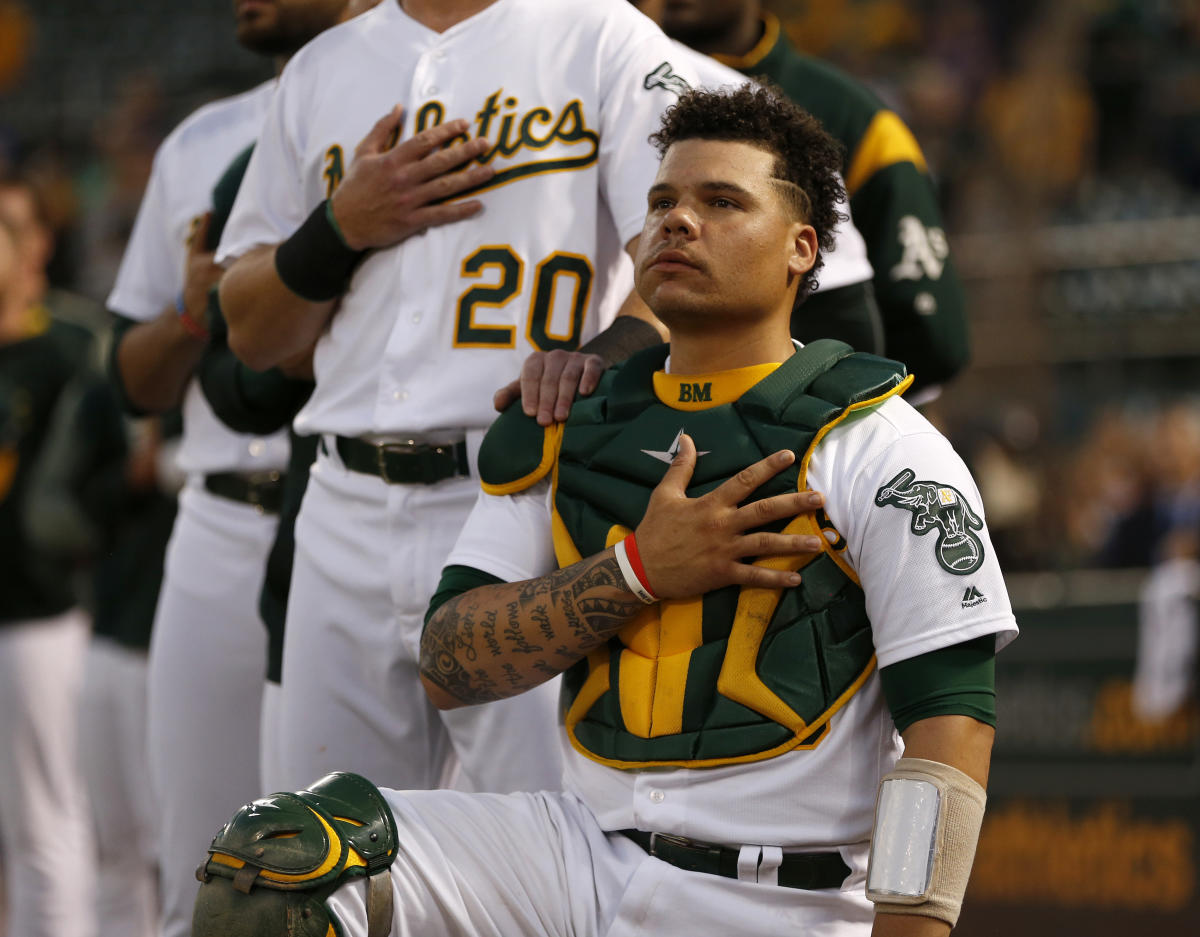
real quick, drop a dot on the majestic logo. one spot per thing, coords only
(695, 393)
(669, 454)
(939, 507)
(925, 251)
(972, 597)
(663, 77)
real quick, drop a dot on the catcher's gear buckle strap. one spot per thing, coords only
(379, 904)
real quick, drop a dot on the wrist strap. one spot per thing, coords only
(192, 326)
(630, 563)
(315, 263)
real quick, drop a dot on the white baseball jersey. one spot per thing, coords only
(186, 167)
(920, 596)
(430, 328)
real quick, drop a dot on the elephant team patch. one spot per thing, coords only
(939, 507)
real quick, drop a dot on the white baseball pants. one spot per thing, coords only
(538, 865)
(207, 660)
(112, 726)
(368, 557)
(45, 831)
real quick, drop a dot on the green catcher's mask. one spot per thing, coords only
(271, 868)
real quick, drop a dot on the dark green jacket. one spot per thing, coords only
(893, 205)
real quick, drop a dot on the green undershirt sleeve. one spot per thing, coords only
(959, 680)
(455, 581)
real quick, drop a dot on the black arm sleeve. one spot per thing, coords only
(245, 400)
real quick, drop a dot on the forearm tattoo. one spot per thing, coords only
(497, 641)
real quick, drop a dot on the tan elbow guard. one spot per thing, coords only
(927, 820)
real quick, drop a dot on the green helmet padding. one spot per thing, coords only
(273, 865)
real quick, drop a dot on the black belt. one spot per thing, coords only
(404, 463)
(263, 490)
(808, 870)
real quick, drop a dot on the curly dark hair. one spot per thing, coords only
(805, 155)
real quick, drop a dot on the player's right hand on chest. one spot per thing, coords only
(393, 192)
(690, 546)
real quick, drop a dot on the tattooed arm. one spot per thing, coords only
(500, 640)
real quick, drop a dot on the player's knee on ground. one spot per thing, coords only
(271, 868)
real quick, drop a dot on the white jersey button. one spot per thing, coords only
(257, 447)
(431, 89)
(657, 796)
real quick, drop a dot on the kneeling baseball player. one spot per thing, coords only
(741, 656)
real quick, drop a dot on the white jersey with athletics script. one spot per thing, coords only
(186, 168)
(912, 528)
(566, 92)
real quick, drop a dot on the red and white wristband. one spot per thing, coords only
(191, 325)
(630, 562)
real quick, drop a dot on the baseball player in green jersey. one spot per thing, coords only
(738, 665)
(892, 199)
(49, 876)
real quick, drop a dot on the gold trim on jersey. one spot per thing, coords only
(702, 391)
(770, 36)
(568, 127)
(421, 121)
(551, 440)
(496, 296)
(813, 523)
(887, 142)
(575, 332)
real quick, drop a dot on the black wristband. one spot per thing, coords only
(315, 263)
(626, 336)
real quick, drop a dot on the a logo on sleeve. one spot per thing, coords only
(664, 77)
(935, 506)
(972, 597)
(925, 251)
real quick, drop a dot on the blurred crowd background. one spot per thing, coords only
(1065, 138)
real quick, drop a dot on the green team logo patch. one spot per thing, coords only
(664, 77)
(939, 507)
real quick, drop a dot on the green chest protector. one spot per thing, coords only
(738, 674)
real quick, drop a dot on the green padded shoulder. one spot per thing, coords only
(858, 378)
(281, 856)
(516, 452)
